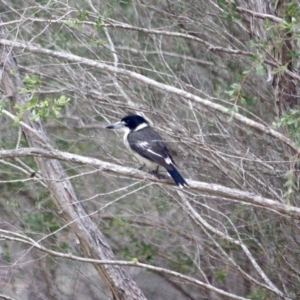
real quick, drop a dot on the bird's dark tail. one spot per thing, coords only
(176, 176)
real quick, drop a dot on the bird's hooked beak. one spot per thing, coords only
(117, 125)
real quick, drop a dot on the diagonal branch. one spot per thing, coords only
(109, 23)
(259, 15)
(92, 240)
(203, 187)
(12, 236)
(198, 219)
(170, 89)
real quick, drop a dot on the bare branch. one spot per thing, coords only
(186, 95)
(2, 296)
(259, 15)
(212, 189)
(92, 240)
(115, 24)
(199, 219)
(8, 235)
(210, 47)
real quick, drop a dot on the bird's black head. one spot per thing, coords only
(130, 122)
(133, 121)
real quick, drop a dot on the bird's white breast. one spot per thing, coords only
(126, 132)
(149, 164)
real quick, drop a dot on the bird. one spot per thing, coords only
(147, 146)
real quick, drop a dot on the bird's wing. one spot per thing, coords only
(152, 148)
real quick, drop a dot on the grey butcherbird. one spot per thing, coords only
(147, 145)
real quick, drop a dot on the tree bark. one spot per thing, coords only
(92, 241)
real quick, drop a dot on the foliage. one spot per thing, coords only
(38, 108)
(290, 120)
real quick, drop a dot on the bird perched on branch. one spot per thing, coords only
(147, 146)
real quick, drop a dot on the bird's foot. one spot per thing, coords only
(141, 167)
(156, 174)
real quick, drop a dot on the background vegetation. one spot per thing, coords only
(219, 80)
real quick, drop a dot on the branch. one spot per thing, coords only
(2, 296)
(92, 240)
(166, 53)
(259, 15)
(203, 187)
(190, 36)
(173, 90)
(114, 24)
(197, 218)
(8, 235)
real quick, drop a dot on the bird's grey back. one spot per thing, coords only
(152, 135)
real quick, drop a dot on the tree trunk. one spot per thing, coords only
(92, 240)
